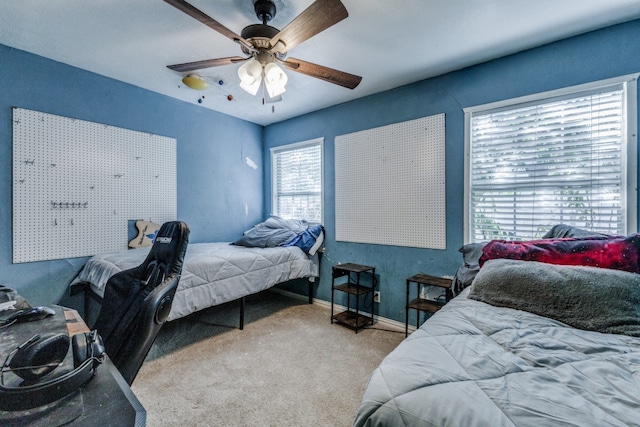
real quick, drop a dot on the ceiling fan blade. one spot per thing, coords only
(208, 21)
(321, 15)
(207, 63)
(350, 81)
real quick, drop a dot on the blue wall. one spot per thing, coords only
(219, 195)
(610, 52)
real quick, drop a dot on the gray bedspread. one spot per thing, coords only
(474, 364)
(212, 274)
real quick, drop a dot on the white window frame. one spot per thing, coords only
(274, 184)
(630, 170)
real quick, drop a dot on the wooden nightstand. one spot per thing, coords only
(352, 318)
(425, 305)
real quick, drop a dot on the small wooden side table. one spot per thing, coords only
(352, 318)
(425, 305)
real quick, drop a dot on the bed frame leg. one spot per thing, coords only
(310, 291)
(242, 313)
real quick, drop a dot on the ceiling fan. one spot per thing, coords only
(266, 46)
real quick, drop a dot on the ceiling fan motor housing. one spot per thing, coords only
(259, 31)
(265, 10)
(259, 36)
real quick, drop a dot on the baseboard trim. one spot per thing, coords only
(381, 321)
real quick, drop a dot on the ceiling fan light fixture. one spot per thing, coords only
(251, 88)
(195, 82)
(250, 74)
(275, 80)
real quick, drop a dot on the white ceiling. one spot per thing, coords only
(388, 43)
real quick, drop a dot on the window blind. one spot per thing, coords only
(553, 161)
(298, 182)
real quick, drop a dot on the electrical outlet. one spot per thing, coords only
(376, 296)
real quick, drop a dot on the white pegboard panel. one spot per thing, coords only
(77, 183)
(390, 184)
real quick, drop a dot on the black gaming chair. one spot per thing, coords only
(137, 301)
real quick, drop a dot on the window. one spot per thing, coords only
(565, 156)
(297, 180)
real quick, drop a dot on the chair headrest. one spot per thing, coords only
(169, 247)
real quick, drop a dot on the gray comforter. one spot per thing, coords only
(212, 274)
(474, 364)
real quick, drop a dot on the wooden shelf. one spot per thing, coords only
(352, 320)
(425, 305)
(425, 279)
(353, 288)
(344, 269)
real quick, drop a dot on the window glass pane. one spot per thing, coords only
(556, 161)
(298, 182)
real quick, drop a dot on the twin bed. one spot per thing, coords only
(526, 343)
(270, 253)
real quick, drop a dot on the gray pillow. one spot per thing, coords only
(590, 298)
(273, 232)
(465, 274)
(559, 231)
(262, 237)
(471, 254)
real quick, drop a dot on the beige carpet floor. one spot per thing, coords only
(289, 366)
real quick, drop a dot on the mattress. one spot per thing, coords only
(474, 364)
(212, 274)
